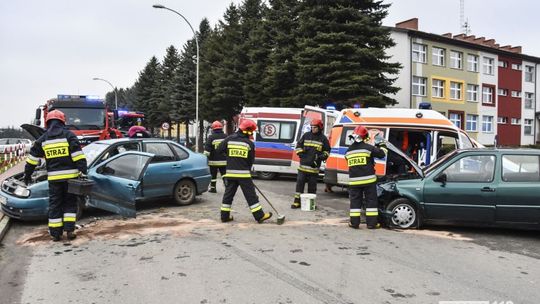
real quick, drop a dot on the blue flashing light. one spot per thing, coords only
(357, 106)
(330, 107)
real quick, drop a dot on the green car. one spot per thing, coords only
(490, 187)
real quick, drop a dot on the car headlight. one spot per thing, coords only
(22, 191)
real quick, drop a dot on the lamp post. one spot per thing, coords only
(114, 89)
(197, 74)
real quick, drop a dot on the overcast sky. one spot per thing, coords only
(57, 46)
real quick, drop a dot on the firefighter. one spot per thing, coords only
(362, 179)
(240, 154)
(64, 160)
(216, 162)
(313, 148)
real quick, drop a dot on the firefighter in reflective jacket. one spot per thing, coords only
(240, 154)
(216, 162)
(362, 178)
(64, 160)
(312, 148)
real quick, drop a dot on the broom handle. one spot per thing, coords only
(265, 197)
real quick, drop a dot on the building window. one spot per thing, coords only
(419, 52)
(503, 64)
(488, 66)
(487, 124)
(502, 92)
(456, 59)
(527, 126)
(516, 66)
(419, 86)
(455, 118)
(516, 121)
(438, 56)
(472, 63)
(472, 123)
(455, 90)
(437, 88)
(516, 93)
(529, 99)
(529, 73)
(472, 92)
(502, 120)
(487, 95)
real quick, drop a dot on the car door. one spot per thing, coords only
(117, 182)
(519, 190)
(463, 190)
(160, 177)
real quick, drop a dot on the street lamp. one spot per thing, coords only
(114, 89)
(197, 75)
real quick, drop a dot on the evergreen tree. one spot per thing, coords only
(342, 53)
(145, 92)
(169, 101)
(280, 81)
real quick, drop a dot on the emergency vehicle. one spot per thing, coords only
(86, 117)
(275, 138)
(423, 135)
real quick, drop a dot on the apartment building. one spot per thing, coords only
(488, 90)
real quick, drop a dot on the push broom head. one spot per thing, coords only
(281, 219)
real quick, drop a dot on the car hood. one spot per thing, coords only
(406, 158)
(35, 131)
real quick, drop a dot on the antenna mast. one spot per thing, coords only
(464, 23)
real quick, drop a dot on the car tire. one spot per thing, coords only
(403, 213)
(81, 205)
(184, 192)
(266, 175)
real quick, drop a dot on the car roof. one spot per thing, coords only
(502, 150)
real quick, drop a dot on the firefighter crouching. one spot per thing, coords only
(362, 179)
(312, 148)
(240, 154)
(216, 161)
(64, 160)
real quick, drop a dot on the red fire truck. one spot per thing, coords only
(86, 116)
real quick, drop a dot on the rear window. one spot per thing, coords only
(276, 131)
(521, 168)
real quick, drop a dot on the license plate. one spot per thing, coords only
(3, 200)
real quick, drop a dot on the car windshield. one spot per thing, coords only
(93, 150)
(438, 162)
(84, 118)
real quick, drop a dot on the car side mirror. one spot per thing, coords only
(441, 178)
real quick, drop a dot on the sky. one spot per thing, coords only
(57, 46)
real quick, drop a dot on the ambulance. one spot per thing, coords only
(275, 138)
(423, 135)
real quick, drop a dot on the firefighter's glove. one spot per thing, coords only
(83, 176)
(379, 141)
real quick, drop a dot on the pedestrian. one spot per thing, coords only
(216, 161)
(362, 179)
(240, 154)
(64, 160)
(313, 148)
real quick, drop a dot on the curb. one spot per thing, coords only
(4, 225)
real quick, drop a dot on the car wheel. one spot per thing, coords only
(184, 192)
(266, 175)
(81, 205)
(404, 213)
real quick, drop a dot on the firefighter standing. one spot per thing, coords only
(362, 178)
(240, 154)
(216, 161)
(64, 160)
(312, 148)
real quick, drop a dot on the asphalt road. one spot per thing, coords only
(185, 255)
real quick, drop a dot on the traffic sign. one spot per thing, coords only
(165, 126)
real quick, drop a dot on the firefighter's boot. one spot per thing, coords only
(212, 187)
(296, 202)
(354, 226)
(265, 217)
(227, 219)
(56, 238)
(71, 235)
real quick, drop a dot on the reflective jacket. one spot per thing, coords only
(213, 141)
(240, 155)
(312, 148)
(360, 159)
(62, 152)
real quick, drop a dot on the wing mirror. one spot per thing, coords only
(441, 178)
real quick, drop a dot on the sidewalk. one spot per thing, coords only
(5, 220)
